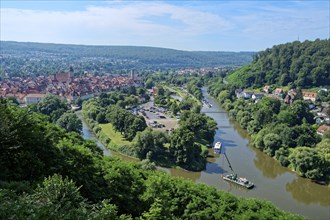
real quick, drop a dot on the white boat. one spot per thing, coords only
(218, 146)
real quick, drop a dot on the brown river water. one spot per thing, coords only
(274, 183)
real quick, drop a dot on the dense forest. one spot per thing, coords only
(299, 64)
(19, 59)
(49, 173)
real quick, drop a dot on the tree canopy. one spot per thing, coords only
(301, 64)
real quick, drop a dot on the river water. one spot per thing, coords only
(273, 182)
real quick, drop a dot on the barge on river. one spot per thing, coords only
(238, 180)
(241, 181)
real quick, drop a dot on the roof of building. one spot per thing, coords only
(323, 128)
(309, 94)
(36, 95)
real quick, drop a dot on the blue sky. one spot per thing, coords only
(185, 25)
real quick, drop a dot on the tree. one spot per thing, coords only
(202, 126)
(300, 109)
(263, 116)
(307, 162)
(13, 100)
(27, 142)
(132, 90)
(70, 122)
(174, 108)
(78, 101)
(125, 184)
(323, 149)
(185, 150)
(51, 103)
(272, 143)
(186, 103)
(149, 84)
(124, 121)
(273, 105)
(287, 116)
(288, 136)
(223, 96)
(141, 91)
(326, 135)
(161, 91)
(81, 164)
(136, 124)
(152, 143)
(306, 135)
(55, 198)
(62, 196)
(101, 117)
(156, 211)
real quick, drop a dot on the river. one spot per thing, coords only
(274, 183)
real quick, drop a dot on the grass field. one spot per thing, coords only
(116, 137)
(314, 89)
(181, 93)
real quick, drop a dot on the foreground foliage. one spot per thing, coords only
(68, 178)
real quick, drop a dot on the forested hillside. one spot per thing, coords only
(302, 64)
(48, 173)
(39, 58)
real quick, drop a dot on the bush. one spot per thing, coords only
(127, 149)
(96, 129)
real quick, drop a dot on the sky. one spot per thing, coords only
(184, 25)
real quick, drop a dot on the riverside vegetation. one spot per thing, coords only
(49, 173)
(285, 132)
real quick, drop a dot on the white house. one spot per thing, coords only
(257, 96)
(33, 98)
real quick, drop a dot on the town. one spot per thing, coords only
(28, 90)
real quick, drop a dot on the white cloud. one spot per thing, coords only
(228, 25)
(134, 20)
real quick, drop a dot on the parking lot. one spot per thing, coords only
(158, 118)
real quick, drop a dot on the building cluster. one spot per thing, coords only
(248, 95)
(286, 96)
(200, 71)
(320, 112)
(30, 90)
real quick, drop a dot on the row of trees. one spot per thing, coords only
(48, 173)
(194, 88)
(109, 108)
(124, 121)
(302, 64)
(280, 130)
(164, 99)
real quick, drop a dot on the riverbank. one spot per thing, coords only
(273, 182)
(281, 131)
